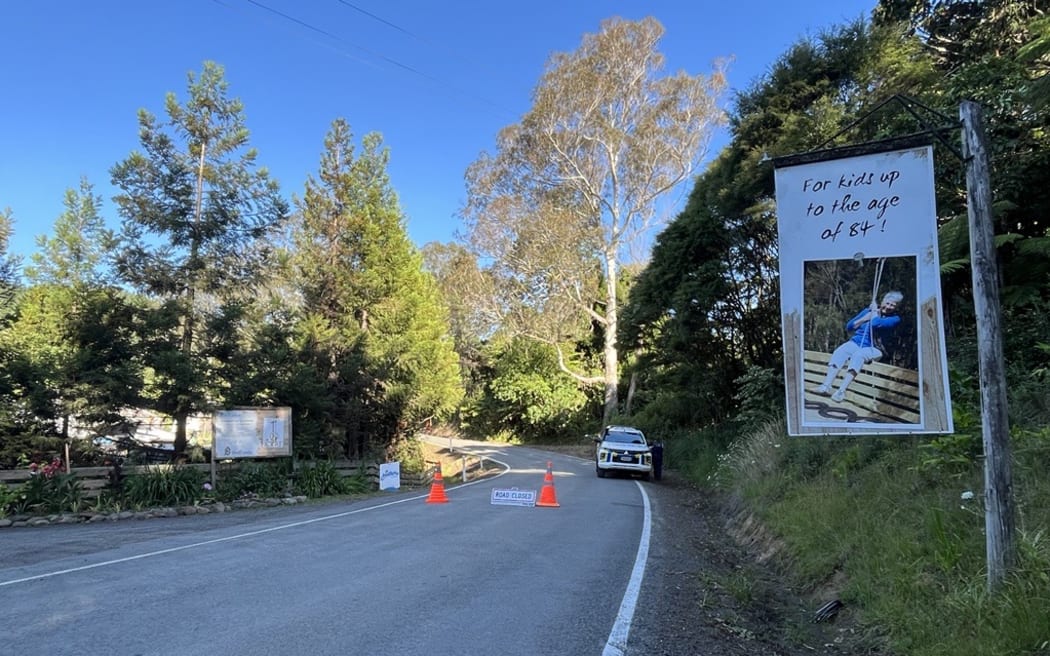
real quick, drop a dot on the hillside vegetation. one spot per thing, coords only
(894, 527)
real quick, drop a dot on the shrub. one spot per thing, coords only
(49, 490)
(319, 479)
(409, 452)
(8, 495)
(357, 483)
(254, 479)
(164, 485)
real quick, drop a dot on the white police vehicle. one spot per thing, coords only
(623, 449)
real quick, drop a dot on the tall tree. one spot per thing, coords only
(24, 402)
(578, 183)
(8, 265)
(197, 215)
(390, 361)
(703, 309)
(465, 291)
(80, 244)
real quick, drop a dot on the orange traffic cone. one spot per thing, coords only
(437, 489)
(547, 496)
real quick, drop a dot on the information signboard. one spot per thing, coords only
(252, 433)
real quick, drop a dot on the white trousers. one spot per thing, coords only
(856, 355)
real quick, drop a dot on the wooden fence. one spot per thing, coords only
(95, 479)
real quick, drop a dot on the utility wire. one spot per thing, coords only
(473, 61)
(323, 44)
(375, 54)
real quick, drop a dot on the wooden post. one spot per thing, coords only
(214, 478)
(998, 477)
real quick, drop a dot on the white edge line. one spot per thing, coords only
(616, 645)
(239, 536)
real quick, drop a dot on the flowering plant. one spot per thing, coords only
(47, 470)
(49, 489)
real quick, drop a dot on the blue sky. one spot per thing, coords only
(437, 79)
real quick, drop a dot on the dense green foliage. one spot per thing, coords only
(899, 534)
(524, 396)
(706, 308)
(379, 327)
(164, 486)
(198, 303)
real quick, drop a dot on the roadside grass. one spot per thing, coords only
(897, 539)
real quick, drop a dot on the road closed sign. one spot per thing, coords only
(513, 497)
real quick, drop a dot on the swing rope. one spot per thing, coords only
(874, 300)
(879, 264)
(878, 279)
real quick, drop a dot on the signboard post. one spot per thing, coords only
(999, 521)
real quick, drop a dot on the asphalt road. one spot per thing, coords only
(390, 574)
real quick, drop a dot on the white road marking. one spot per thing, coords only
(239, 536)
(616, 645)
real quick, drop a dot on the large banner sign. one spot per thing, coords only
(860, 295)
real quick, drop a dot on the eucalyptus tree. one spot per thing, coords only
(580, 181)
(384, 345)
(197, 216)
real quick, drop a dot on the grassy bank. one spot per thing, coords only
(895, 528)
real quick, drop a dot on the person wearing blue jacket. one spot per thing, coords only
(869, 327)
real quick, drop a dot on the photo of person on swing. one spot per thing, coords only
(861, 348)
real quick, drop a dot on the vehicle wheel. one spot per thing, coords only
(598, 470)
(648, 477)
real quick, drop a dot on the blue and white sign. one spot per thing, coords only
(390, 476)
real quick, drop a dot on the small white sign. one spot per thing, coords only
(513, 497)
(390, 476)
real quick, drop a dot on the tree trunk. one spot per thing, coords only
(630, 393)
(612, 365)
(180, 434)
(187, 349)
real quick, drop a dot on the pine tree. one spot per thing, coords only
(197, 214)
(390, 362)
(76, 252)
